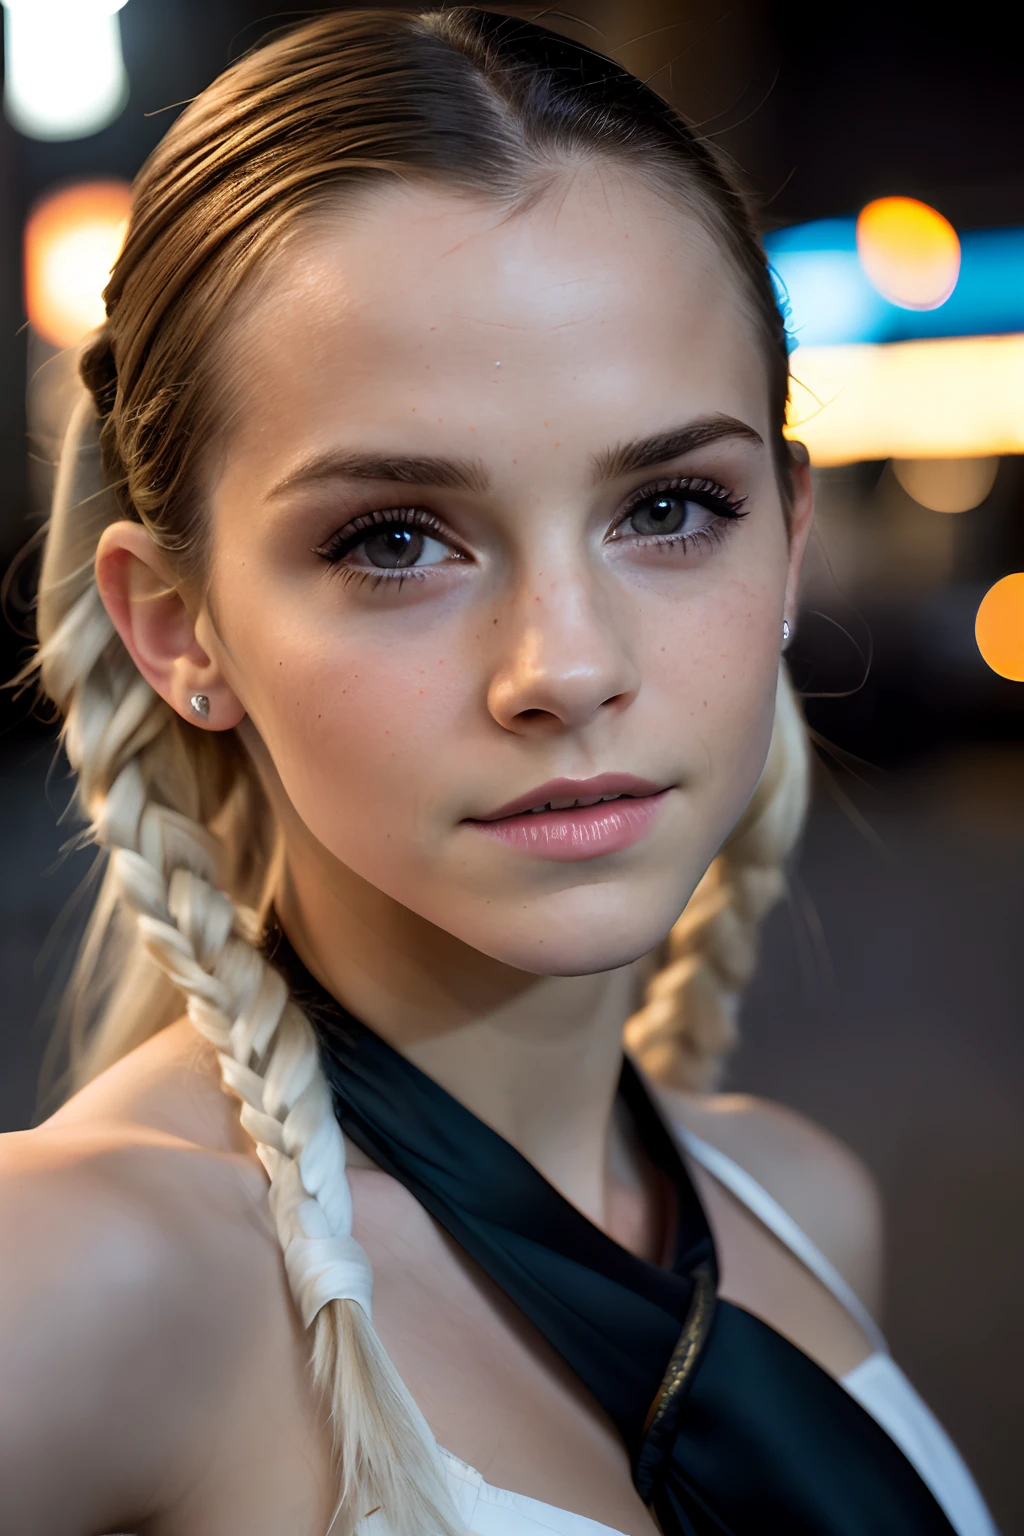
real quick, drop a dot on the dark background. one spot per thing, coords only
(887, 1006)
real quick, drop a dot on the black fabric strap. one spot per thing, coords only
(732, 1430)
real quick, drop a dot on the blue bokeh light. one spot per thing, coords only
(831, 301)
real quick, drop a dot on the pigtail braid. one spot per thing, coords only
(687, 1023)
(142, 792)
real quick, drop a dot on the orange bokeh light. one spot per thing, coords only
(72, 240)
(999, 627)
(909, 252)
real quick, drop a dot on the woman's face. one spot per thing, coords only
(497, 510)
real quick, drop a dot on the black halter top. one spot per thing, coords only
(731, 1430)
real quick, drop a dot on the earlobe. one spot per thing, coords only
(138, 588)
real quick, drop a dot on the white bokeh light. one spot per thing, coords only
(65, 74)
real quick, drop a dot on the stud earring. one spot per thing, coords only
(786, 632)
(201, 704)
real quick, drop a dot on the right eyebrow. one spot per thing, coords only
(340, 464)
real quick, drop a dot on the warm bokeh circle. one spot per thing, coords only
(72, 240)
(999, 627)
(909, 252)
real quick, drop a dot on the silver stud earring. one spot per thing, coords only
(786, 632)
(201, 704)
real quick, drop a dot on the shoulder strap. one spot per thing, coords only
(771, 1214)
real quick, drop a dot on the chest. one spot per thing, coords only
(492, 1390)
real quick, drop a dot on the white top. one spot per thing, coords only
(877, 1383)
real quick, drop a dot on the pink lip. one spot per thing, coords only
(574, 789)
(580, 832)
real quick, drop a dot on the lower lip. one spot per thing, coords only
(586, 832)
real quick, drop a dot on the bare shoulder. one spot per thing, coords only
(816, 1178)
(127, 1217)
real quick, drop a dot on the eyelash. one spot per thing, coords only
(706, 493)
(346, 539)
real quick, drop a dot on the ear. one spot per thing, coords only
(801, 516)
(147, 607)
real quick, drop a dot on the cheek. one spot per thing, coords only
(359, 731)
(712, 674)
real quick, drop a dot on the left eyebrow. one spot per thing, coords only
(645, 452)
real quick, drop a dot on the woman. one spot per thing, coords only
(422, 557)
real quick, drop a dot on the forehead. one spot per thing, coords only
(600, 306)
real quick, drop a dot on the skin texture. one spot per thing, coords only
(172, 1373)
(382, 715)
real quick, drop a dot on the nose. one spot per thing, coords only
(564, 661)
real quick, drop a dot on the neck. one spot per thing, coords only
(537, 1058)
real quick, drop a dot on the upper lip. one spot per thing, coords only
(574, 789)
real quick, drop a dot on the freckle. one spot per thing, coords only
(494, 621)
(545, 423)
(558, 445)
(412, 408)
(472, 429)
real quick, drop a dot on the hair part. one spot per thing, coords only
(466, 100)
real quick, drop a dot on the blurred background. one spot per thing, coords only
(883, 145)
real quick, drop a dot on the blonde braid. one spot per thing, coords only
(165, 870)
(688, 1021)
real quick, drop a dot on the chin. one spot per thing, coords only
(575, 943)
